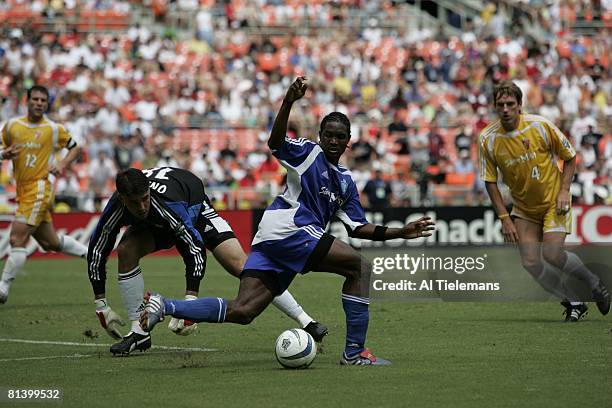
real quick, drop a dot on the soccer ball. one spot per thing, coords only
(295, 348)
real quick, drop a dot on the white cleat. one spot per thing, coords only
(3, 295)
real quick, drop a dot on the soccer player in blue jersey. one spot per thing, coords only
(163, 208)
(291, 238)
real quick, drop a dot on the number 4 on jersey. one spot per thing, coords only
(535, 173)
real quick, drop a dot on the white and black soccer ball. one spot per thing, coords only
(295, 348)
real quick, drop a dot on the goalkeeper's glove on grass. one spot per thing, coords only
(183, 327)
(109, 319)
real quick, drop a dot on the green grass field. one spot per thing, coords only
(444, 354)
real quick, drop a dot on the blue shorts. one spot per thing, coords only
(300, 253)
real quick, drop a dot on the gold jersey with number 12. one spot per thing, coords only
(40, 141)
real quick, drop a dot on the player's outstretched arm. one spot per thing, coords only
(422, 227)
(279, 128)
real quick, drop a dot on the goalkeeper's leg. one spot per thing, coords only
(135, 244)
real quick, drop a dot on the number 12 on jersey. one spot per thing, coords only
(30, 160)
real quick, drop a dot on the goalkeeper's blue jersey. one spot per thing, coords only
(316, 191)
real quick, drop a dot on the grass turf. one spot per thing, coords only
(455, 354)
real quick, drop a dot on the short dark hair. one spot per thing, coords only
(38, 88)
(336, 117)
(131, 182)
(507, 88)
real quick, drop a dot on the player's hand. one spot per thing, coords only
(12, 151)
(57, 169)
(509, 230)
(563, 202)
(296, 90)
(419, 228)
(109, 320)
(183, 327)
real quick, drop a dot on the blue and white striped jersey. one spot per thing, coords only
(316, 191)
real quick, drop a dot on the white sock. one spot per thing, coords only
(15, 261)
(288, 305)
(574, 267)
(136, 328)
(71, 246)
(131, 288)
(550, 280)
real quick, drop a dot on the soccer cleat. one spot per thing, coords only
(573, 313)
(153, 311)
(132, 341)
(602, 298)
(3, 296)
(363, 358)
(316, 330)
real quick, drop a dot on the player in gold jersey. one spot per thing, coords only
(523, 148)
(31, 142)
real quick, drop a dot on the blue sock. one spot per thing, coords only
(357, 318)
(211, 310)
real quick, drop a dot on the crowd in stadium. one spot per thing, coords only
(417, 97)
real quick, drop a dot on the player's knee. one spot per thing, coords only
(243, 317)
(243, 314)
(127, 253)
(17, 242)
(18, 239)
(50, 245)
(353, 266)
(554, 257)
(532, 265)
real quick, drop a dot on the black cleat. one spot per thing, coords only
(602, 298)
(316, 330)
(573, 313)
(133, 341)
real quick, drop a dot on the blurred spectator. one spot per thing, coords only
(102, 171)
(588, 154)
(464, 165)
(399, 132)
(436, 146)
(550, 109)
(362, 152)
(463, 140)
(581, 124)
(592, 138)
(116, 95)
(98, 143)
(67, 189)
(377, 191)
(123, 153)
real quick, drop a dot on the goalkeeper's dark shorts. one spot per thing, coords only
(212, 228)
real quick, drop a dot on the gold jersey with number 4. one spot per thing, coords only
(527, 159)
(39, 141)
